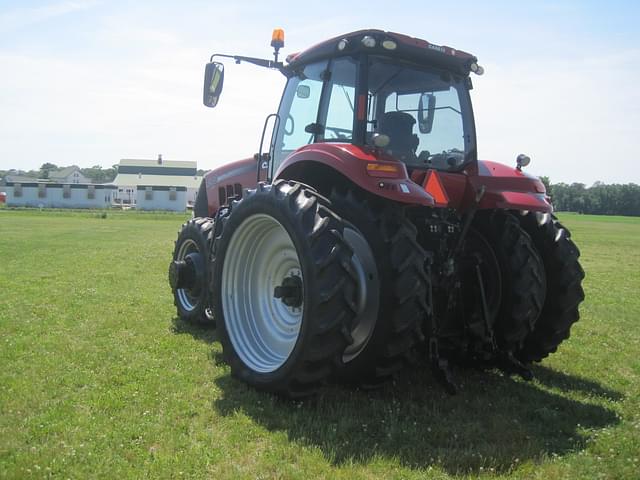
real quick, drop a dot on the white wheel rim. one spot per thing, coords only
(262, 329)
(187, 302)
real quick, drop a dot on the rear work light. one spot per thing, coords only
(368, 41)
(389, 44)
(477, 69)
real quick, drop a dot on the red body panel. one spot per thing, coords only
(505, 187)
(230, 178)
(351, 161)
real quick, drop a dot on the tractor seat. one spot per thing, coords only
(398, 126)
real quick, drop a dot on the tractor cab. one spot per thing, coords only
(371, 89)
(399, 97)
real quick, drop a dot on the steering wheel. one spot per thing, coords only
(340, 133)
(293, 125)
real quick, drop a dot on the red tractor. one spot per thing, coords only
(367, 229)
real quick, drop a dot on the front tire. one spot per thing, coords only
(284, 289)
(191, 297)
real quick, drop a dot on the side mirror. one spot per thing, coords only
(213, 80)
(425, 119)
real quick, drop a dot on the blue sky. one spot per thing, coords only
(89, 82)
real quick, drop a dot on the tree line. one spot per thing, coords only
(599, 199)
(97, 174)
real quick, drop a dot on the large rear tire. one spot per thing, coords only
(523, 283)
(284, 289)
(393, 327)
(564, 277)
(189, 271)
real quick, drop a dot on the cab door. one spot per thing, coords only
(317, 106)
(298, 109)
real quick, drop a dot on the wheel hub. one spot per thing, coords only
(187, 272)
(290, 292)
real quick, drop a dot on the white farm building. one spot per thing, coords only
(157, 184)
(143, 184)
(56, 195)
(68, 175)
(67, 188)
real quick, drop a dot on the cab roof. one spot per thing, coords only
(390, 44)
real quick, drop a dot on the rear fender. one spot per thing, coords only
(506, 188)
(367, 169)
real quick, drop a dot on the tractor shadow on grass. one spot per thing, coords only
(493, 424)
(204, 333)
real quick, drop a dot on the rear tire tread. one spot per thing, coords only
(403, 292)
(564, 277)
(523, 279)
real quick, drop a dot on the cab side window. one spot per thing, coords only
(338, 126)
(304, 99)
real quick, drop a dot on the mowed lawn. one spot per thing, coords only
(99, 380)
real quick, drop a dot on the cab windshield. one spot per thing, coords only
(424, 113)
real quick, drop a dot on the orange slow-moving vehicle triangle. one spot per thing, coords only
(433, 186)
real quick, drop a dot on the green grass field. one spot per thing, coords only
(99, 380)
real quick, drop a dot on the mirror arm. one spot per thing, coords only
(256, 61)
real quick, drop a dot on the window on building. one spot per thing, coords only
(66, 191)
(17, 190)
(148, 193)
(172, 194)
(91, 192)
(42, 190)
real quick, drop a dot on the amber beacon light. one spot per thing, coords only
(277, 41)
